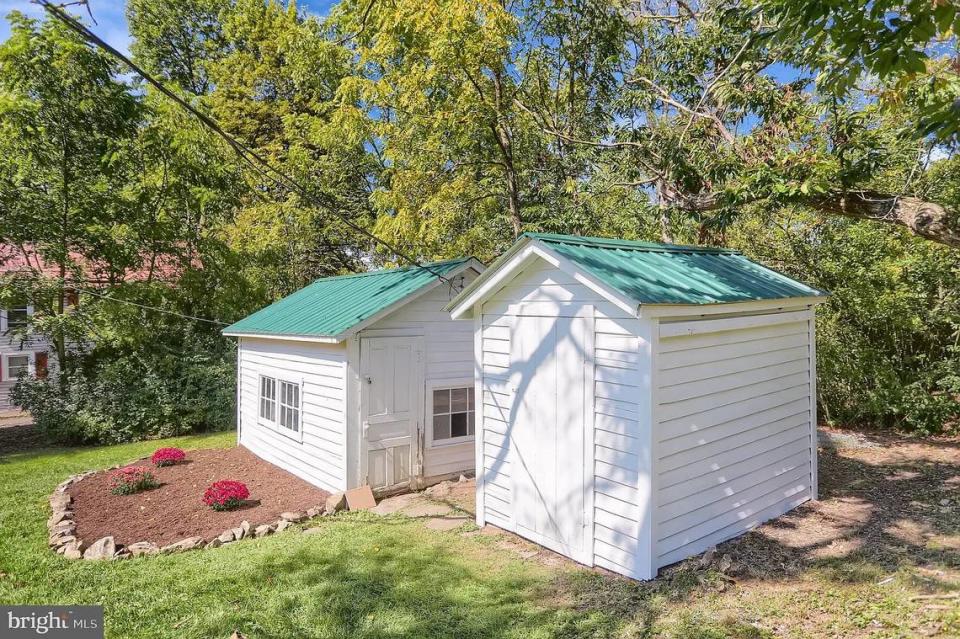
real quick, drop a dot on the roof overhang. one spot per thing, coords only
(527, 249)
(472, 263)
(322, 339)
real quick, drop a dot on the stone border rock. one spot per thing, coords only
(63, 539)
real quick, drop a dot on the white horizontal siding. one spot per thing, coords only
(733, 438)
(448, 355)
(321, 369)
(541, 289)
(497, 400)
(11, 344)
(617, 444)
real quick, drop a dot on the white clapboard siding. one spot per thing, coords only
(496, 400)
(542, 289)
(448, 361)
(12, 344)
(617, 443)
(320, 369)
(733, 433)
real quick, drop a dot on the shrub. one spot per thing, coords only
(131, 479)
(119, 393)
(225, 494)
(167, 457)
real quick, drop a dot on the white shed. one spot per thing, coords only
(361, 379)
(640, 402)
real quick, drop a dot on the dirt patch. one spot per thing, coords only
(892, 504)
(19, 437)
(175, 509)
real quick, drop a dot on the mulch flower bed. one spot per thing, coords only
(173, 515)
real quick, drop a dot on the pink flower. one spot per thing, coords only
(167, 456)
(225, 494)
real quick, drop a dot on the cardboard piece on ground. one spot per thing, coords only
(360, 498)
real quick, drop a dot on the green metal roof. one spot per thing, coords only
(640, 273)
(332, 306)
(675, 274)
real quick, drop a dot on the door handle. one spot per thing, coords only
(369, 379)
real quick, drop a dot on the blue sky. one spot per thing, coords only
(111, 24)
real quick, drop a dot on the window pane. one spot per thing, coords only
(441, 401)
(459, 400)
(18, 364)
(470, 419)
(16, 317)
(471, 397)
(441, 427)
(458, 425)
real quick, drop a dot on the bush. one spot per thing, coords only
(167, 457)
(131, 479)
(225, 494)
(887, 353)
(120, 393)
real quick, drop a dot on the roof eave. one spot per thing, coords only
(293, 337)
(677, 310)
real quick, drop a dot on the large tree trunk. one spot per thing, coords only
(926, 219)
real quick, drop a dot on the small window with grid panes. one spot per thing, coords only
(453, 413)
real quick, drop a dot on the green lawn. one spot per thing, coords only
(364, 576)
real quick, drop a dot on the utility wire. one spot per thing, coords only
(152, 308)
(257, 162)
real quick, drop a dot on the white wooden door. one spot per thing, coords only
(391, 387)
(549, 433)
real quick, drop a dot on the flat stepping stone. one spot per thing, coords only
(445, 523)
(426, 509)
(391, 505)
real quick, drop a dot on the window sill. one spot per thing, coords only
(453, 441)
(295, 435)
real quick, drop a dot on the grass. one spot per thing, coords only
(365, 576)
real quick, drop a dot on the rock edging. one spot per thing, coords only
(63, 539)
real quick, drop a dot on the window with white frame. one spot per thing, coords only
(17, 365)
(268, 398)
(290, 406)
(453, 413)
(16, 317)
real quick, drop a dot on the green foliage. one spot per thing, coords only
(170, 381)
(887, 339)
(447, 128)
(909, 47)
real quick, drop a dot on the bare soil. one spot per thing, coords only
(175, 510)
(18, 432)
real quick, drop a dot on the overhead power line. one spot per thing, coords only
(253, 159)
(153, 308)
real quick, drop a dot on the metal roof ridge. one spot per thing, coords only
(398, 269)
(630, 245)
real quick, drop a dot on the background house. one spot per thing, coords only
(23, 351)
(361, 379)
(639, 403)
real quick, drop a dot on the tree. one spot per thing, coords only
(64, 119)
(708, 130)
(179, 39)
(910, 47)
